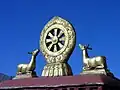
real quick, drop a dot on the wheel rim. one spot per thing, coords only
(55, 40)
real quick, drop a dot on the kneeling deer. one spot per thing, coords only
(94, 62)
(26, 68)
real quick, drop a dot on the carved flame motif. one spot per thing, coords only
(57, 42)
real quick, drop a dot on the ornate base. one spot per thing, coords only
(97, 71)
(57, 69)
(27, 75)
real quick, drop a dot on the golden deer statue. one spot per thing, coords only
(98, 62)
(28, 68)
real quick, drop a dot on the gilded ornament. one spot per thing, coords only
(57, 42)
(98, 62)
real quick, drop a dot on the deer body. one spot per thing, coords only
(94, 62)
(24, 68)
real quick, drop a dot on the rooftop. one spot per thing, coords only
(60, 81)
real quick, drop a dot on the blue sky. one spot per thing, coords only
(96, 22)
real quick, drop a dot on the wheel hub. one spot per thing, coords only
(55, 40)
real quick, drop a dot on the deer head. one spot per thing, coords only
(84, 47)
(35, 52)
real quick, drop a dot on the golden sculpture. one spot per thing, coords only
(28, 68)
(98, 62)
(57, 42)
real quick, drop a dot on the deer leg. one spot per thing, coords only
(19, 70)
(84, 68)
(100, 66)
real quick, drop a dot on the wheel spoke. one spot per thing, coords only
(60, 45)
(62, 39)
(50, 46)
(48, 40)
(60, 33)
(50, 34)
(55, 48)
(55, 40)
(55, 31)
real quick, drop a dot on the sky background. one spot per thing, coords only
(96, 22)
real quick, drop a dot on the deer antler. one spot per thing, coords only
(29, 52)
(88, 47)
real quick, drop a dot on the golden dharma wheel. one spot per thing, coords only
(57, 40)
